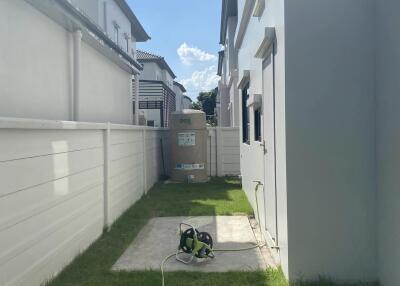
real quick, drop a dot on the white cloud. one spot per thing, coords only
(203, 80)
(189, 55)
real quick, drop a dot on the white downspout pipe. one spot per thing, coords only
(137, 99)
(77, 36)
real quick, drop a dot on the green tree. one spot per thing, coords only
(206, 101)
(196, 105)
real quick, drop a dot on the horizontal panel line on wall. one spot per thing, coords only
(50, 229)
(28, 215)
(50, 154)
(126, 156)
(56, 250)
(43, 183)
(125, 142)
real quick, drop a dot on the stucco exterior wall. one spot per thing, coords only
(151, 71)
(114, 14)
(36, 68)
(186, 103)
(251, 155)
(35, 74)
(105, 89)
(388, 139)
(89, 8)
(330, 143)
(178, 97)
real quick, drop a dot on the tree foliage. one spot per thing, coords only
(206, 101)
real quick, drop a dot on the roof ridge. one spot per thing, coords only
(149, 54)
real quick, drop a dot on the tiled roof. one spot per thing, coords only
(143, 56)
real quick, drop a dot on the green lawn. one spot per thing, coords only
(218, 197)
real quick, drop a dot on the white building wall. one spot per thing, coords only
(105, 13)
(234, 105)
(151, 71)
(387, 46)
(178, 98)
(114, 15)
(330, 139)
(251, 163)
(105, 89)
(167, 78)
(37, 77)
(35, 73)
(186, 103)
(89, 8)
(61, 183)
(152, 114)
(224, 113)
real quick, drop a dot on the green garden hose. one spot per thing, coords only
(226, 249)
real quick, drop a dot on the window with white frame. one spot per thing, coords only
(257, 124)
(245, 115)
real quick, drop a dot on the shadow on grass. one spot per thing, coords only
(218, 197)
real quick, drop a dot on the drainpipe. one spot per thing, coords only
(77, 39)
(136, 99)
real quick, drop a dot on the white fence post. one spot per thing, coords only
(219, 149)
(106, 147)
(144, 162)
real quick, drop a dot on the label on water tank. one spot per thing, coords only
(186, 139)
(190, 166)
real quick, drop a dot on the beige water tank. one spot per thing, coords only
(188, 146)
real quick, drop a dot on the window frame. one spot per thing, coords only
(245, 115)
(116, 32)
(257, 124)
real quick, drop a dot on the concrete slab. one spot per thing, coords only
(159, 238)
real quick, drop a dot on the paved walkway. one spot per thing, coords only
(160, 238)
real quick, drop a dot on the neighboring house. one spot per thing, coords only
(180, 93)
(157, 97)
(186, 102)
(68, 68)
(117, 20)
(120, 24)
(319, 113)
(228, 107)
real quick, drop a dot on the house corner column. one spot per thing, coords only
(77, 39)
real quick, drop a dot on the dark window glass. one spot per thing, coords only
(257, 125)
(245, 115)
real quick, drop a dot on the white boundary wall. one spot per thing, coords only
(62, 183)
(223, 160)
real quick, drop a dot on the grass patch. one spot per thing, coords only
(218, 197)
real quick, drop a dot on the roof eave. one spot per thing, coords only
(229, 8)
(161, 62)
(137, 29)
(183, 89)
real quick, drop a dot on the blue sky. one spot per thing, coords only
(186, 33)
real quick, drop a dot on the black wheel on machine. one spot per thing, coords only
(189, 233)
(206, 238)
